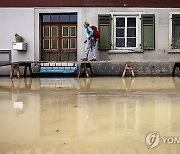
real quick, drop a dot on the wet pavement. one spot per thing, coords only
(108, 115)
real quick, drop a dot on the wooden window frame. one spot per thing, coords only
(62, 44)
(114, 38)
(126, 47)
(138, 40)
(49, 44)
(68, 31)
(52, 44)
(75, 31)
(57, 31)
(49, 31)
(75, 43)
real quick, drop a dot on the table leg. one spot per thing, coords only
(124, 72)
(132, 73)
(30, 70)
(174, 68)
(25, 71)
(90, 67)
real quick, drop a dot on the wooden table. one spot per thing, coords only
(16, 66)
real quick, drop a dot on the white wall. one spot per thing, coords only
(21, 21)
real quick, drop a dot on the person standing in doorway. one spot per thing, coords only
(91, 43)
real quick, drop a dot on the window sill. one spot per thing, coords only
(174, 51)
(125, 51)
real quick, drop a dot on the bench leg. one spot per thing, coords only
(79, 71)
(18, 72)
(30, 70)
(174, 68)
(132, 73)
(25, 71)
(88, 65)
(124, 72)
(91, 70)
(83, 70)
(15, 67)
(86, 72)
(12, 72)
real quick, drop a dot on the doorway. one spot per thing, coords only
(59, 37)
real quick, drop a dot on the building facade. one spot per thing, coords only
(143, 32)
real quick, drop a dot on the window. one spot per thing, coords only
(59, 18)
(5, 56)
(64, 18)
(175, 31)
(125, 32)
(54, 18)
(46, 18)
(73, 18)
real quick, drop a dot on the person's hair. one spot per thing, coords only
(86, 23)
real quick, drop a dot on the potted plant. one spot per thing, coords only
(18, 38)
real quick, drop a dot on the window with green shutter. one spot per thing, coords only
(176, 31)
(125, 32)
(104, 23)
(148, 31)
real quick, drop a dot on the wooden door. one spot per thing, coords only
(59, 42)
(50, 43)
(69, 42)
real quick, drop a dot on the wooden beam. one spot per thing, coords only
(5, 64)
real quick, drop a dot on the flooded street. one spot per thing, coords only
(103, 115)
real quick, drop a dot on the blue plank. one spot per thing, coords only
(58, 71)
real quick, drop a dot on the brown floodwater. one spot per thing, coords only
(103, 115)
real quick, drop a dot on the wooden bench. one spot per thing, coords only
(83, 70)
(16, 66)
(128, 66)
(83, 67)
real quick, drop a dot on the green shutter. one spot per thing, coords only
(148, 31)
(104, 23)
(176, 31)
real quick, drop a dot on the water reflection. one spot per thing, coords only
(27, 84)
(87, 115)
(128, 82)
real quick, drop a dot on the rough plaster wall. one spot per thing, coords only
(21, 21)
(90, 14)
(160, 54)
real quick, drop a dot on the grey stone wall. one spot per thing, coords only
(140, 69)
